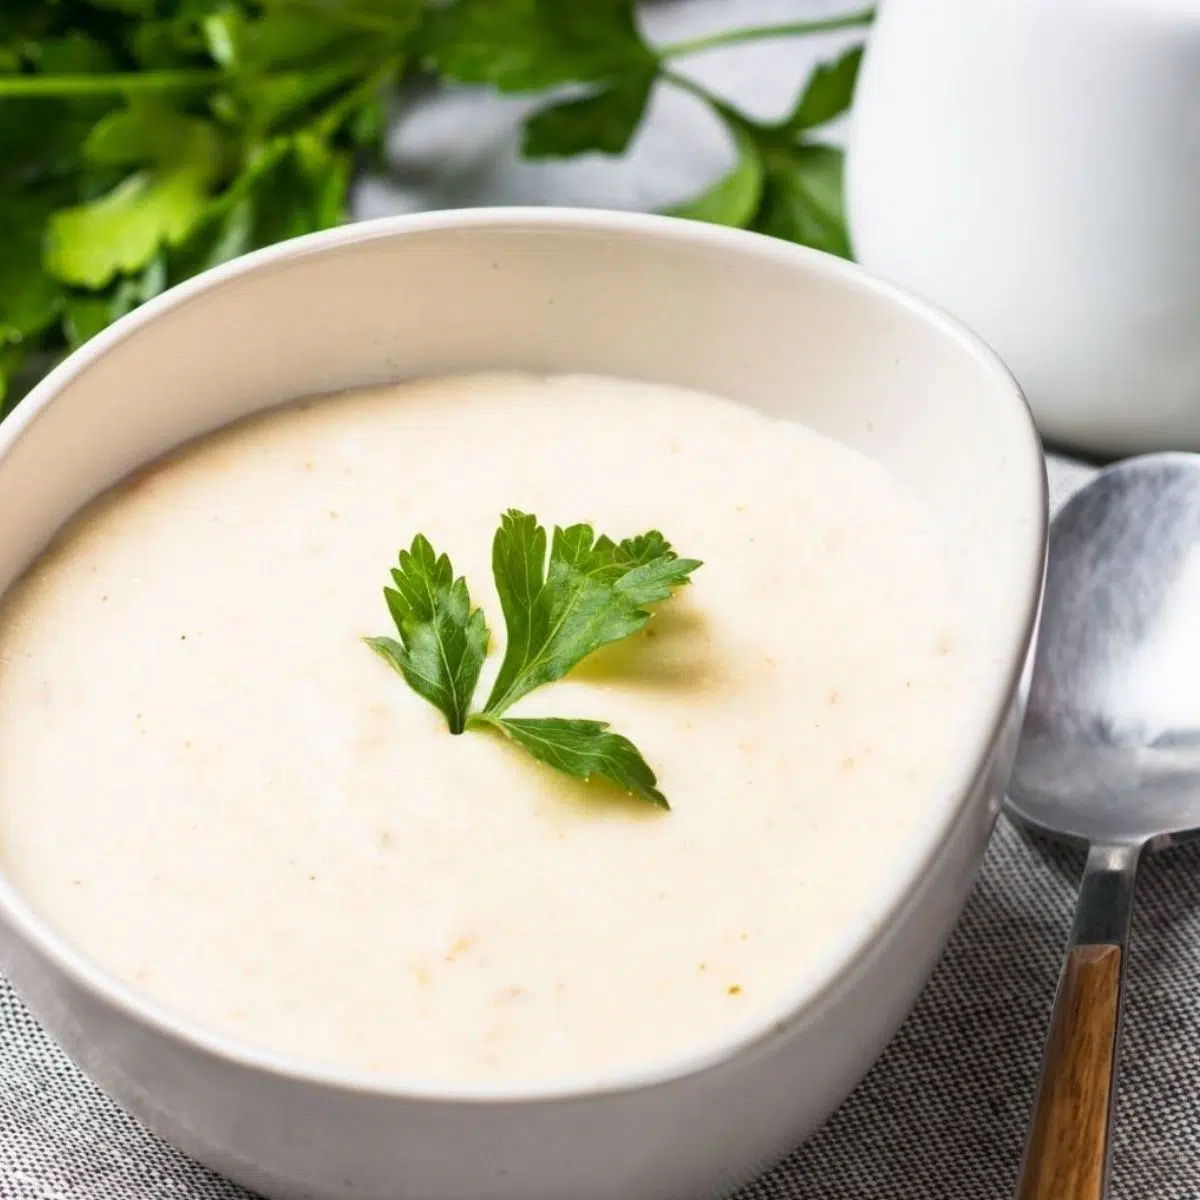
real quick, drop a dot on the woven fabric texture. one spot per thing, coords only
(940, 1117)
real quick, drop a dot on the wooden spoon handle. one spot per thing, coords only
(1066, 1156)
(1068, 1142)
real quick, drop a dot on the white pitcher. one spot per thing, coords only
(1033, 166)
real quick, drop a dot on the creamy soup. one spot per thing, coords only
(212, 787)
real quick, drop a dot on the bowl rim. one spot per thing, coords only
(855, 945)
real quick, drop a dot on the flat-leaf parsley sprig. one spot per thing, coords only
(591, 592)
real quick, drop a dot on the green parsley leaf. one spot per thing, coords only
(121, 231)
(802, 199)
(86, 313)
(734, 198)
(829, 93)
(296, 184)
(228, 230)
(443, 642)
(146, 131)
(582, 749)
(306, 190)
(593, 592)
(529, 45)
(75, 53)
(286, 95)
(41, 139)
(12, 358)
(158, 204)
(29, 298)
(287, 62)
(163, 44)
(603, 121)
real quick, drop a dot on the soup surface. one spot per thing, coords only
(217, 791)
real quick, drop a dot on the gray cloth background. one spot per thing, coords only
(943, 1113)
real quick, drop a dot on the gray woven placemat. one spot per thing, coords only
(941, 1116)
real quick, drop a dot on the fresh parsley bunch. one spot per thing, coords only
(142, 141)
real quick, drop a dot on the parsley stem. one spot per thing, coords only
(755, 33)
(730, 114)
(97, 85)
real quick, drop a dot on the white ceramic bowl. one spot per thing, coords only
(788, 330)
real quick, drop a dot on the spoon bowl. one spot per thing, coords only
(1109, 757)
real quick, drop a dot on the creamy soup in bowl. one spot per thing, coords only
(272, 903)
(208, 783)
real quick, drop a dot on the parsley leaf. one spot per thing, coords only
(443, 641)
(158, 204)
(734, 198)
(829, 92)
(89, 244)
(593, 592)
(802, 199)
(86, 313)
(784, 183)
(29, 298)
(582, 749)
(603, 121)
(12, 358)
(529, 45)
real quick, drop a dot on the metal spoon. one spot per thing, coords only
(1109, 757)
